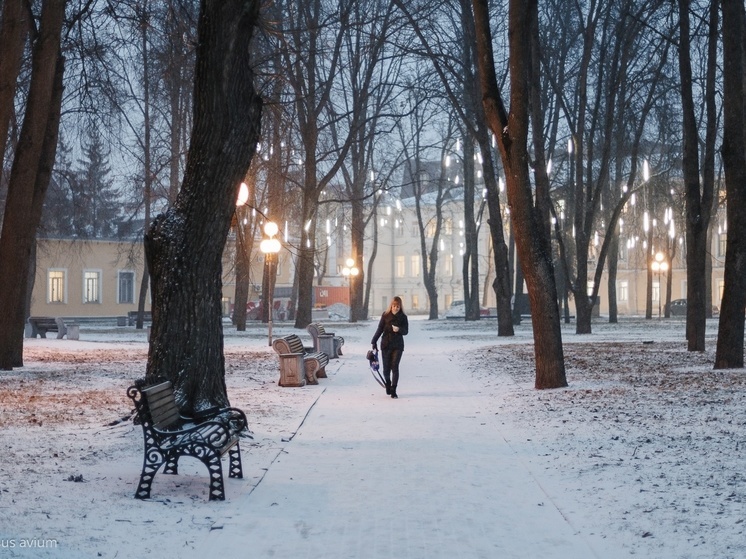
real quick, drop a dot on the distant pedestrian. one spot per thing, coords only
(392, 328)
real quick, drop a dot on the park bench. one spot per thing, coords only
(325, 341)
(297, 366)
(147, 316)
(40, 325)
(168, 436)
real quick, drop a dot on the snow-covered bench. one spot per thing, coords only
(168, 436)
(297, 366)
(325, 341)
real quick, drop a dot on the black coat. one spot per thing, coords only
(389, 338)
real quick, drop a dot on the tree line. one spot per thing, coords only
(564, 102)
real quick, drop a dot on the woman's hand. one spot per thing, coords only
(395, 328)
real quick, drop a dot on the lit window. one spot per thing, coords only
(91, 286)
(400, 266)
(430, 229)
(415, 265)
(415, 302)
(126, 288)
(56, 286)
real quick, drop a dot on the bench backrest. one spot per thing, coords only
(315, 329)
(288, 344)
(162, 404)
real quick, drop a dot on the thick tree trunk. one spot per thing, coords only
(530, 230)
(729, 352)
(13, 31)
(29, 179)
(184, 246)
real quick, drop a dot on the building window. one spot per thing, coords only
(91, 286)
(415, 302)
(415, 229)
(400, 267)
(448, 226)
(722, 241)
(430, 229)
(126, 294)
(56, 286)
(622, 292)
(656, 291)
(415, 265)
(448, 265)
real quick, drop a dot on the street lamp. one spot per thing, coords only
(349, 272)
(270, 246)
(659, 266)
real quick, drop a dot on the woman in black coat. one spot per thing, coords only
(392, 328)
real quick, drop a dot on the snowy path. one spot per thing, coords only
(426, 476)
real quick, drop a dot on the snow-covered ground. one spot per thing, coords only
(642, 455)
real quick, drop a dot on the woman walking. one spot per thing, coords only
(392, 328)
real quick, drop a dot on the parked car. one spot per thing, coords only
(678, 308)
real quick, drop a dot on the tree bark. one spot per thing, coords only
(698, 206)
(184, 246)
(13, 31)
(29, 179)
(511, 131)
(729, 352)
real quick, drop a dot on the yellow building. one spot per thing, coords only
(79, 278)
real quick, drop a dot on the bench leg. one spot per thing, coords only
(172, 464)
(235, 469)
(311, 372)
(211, 459)
(151, 463)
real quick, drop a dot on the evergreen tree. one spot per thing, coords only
(58, 210)
(95, 200)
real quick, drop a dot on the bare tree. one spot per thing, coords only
(699, 198)
(29, 178)
(731, 331)
(457, 73)
(511, 131)
(366, 111)
(184, 250)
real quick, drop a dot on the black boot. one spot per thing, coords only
(393, 392)
(388, 388)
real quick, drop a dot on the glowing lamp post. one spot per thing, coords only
(659, 266)
(270, 247)
(349, 272)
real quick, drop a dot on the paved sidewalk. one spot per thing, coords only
(426, 476)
